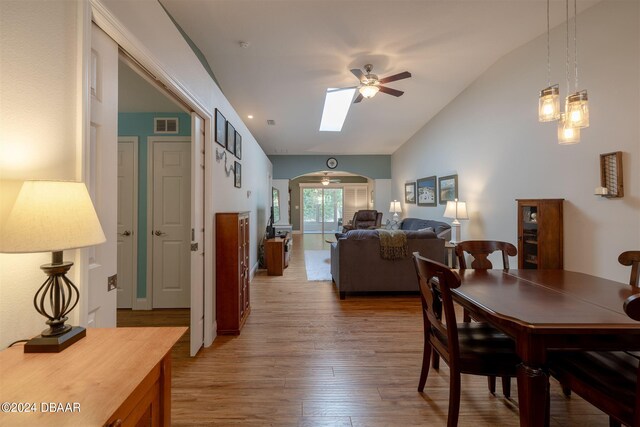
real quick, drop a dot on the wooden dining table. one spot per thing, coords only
(546, 310)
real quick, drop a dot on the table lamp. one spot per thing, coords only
(395, 208)
(456, 210)
(51, 216)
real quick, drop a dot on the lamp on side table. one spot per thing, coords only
(456, 210)
(51, 216)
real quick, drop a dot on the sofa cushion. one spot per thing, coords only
(418, 223)
(361, 234)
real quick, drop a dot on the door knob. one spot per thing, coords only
(126, 233)
(159, 233)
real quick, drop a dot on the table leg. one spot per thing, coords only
(533, 386)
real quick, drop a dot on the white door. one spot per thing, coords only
(171, 230)
(101, 178)
(355, 199)
(127, 220)
(197, 233)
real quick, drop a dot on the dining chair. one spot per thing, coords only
(480, 251)
(631, 258)
(468, 348)
(606, 379)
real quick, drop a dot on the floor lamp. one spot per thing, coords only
(51, 216)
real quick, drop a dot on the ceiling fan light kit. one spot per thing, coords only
(370, 84)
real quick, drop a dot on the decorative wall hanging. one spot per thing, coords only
(238, 146)
(611, 185)
(448, 188)
(221, 128)
(410, 192)
(237, 168)
(427, 191)
(231, 138)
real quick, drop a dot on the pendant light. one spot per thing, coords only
(549, 101)
(567, 132)
(577, 104)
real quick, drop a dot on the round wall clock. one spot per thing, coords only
(332, 163)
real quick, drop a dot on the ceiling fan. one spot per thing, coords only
(326, 180)
(370, 84)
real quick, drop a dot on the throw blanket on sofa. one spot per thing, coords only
(393, 244)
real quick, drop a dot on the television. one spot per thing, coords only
(271, 230)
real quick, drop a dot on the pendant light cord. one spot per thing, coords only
(567, 50)
(548, 49)
(575, 41)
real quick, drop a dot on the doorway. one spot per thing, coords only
(322, 210)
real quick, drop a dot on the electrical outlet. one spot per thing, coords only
(112, 282)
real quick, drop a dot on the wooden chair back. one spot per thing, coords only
(631, 258)
(436, 281)
(481, 249)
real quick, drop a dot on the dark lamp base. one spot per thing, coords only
(54, 344)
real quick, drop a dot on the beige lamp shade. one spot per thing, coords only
(395, 207)
(51, 216)
(456, 210)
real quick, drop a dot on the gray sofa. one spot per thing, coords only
(356, 264)
(442, 229)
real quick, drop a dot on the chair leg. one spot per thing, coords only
(424, 372)
(454, 401)
(491, 382)
(566, 390)
(547, 414)
(466, 317)
(506, 387)
(435, 361)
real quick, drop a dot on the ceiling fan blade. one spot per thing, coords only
(358, 98)
(399, 76)
(341, 89)
(358, 73)
(390, 91)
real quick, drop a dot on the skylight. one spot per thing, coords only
(336, 107)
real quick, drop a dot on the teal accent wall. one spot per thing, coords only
(371, 166)
(141, 125)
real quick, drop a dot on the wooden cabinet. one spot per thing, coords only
(540, 234)
(111, 377)
(232, 271)
(277, 252)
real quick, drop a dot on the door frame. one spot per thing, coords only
(322, 187)
(135, 303)
(151, 140)
(94, 11)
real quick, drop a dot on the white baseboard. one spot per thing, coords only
(142, 304)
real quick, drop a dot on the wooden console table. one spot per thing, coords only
(277, 254)
(112, 377)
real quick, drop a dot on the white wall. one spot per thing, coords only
(37, 136)
(382, 197)
(40, 118)
(490, 136)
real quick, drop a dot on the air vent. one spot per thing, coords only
(165, 125)
(271, 122)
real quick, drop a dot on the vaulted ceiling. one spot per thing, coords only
(299, 48)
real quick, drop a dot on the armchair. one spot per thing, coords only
(364, 219)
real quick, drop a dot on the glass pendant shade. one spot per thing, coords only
(577, 109)
(549, 104)
(369, 91)
(567, 134)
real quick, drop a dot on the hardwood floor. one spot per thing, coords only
(305, 358)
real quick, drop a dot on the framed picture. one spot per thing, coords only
(410, 192)
(237, 174)
(448, 188)
(427, 191)
(221, 128)
(238, 146)
(231, 138)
